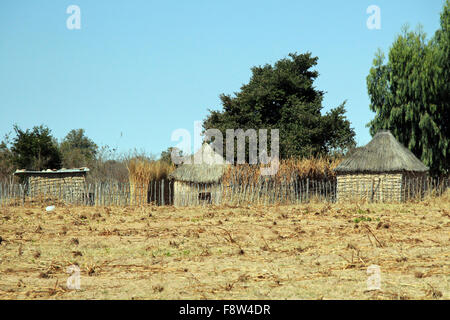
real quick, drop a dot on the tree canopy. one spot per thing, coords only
(35, 149)
(410, 93)
(77, 149)
(6, 164)
(283, 97)
(166, 156)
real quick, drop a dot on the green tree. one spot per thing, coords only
(166, 156)
(283, 97)
(6, 164)
(441, 43)
(35, 149)
(410, 94)
(77, 149)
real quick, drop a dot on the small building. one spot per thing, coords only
(383, 170)
(198, 180)
(64, 184)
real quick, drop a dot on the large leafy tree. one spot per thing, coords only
(441, 43)
(283, 97)
(77, 149)
(35, 149)
(410, 94)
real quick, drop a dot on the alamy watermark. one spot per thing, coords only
(73, 22)
(74, 280)
(374, 277)
(257, 147)
(374, 20)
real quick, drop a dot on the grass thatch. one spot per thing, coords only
(141, 172)
(383, 154)
(210, 169)
(199, 173)
(289, 170)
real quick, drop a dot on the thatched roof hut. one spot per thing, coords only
(383, 154)
(198, 179)
(381, 170)
(205, 166)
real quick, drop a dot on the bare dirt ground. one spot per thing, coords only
(311, 251)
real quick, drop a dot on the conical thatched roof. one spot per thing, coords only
(383, 154)
(206, 166)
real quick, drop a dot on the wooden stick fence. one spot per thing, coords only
(163, 192)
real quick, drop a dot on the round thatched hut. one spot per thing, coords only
(197, 180)
(383, 170)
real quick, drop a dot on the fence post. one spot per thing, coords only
(307, 189)
(162, 192)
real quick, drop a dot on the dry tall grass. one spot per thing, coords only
(289, 170)
(142, 171)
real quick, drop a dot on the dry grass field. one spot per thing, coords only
(311, 251)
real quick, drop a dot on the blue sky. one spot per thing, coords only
(138, 70)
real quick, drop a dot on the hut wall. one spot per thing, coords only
(372, 187)
(61, 186)
(188, 194)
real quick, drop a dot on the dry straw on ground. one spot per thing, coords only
(310, 251)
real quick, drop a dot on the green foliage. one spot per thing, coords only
(283, 97)
(166, 156)
(410, 94)
(35, 149)
(77, 149)
(6, 163)
(362, 218)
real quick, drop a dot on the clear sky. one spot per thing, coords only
(138, 70)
